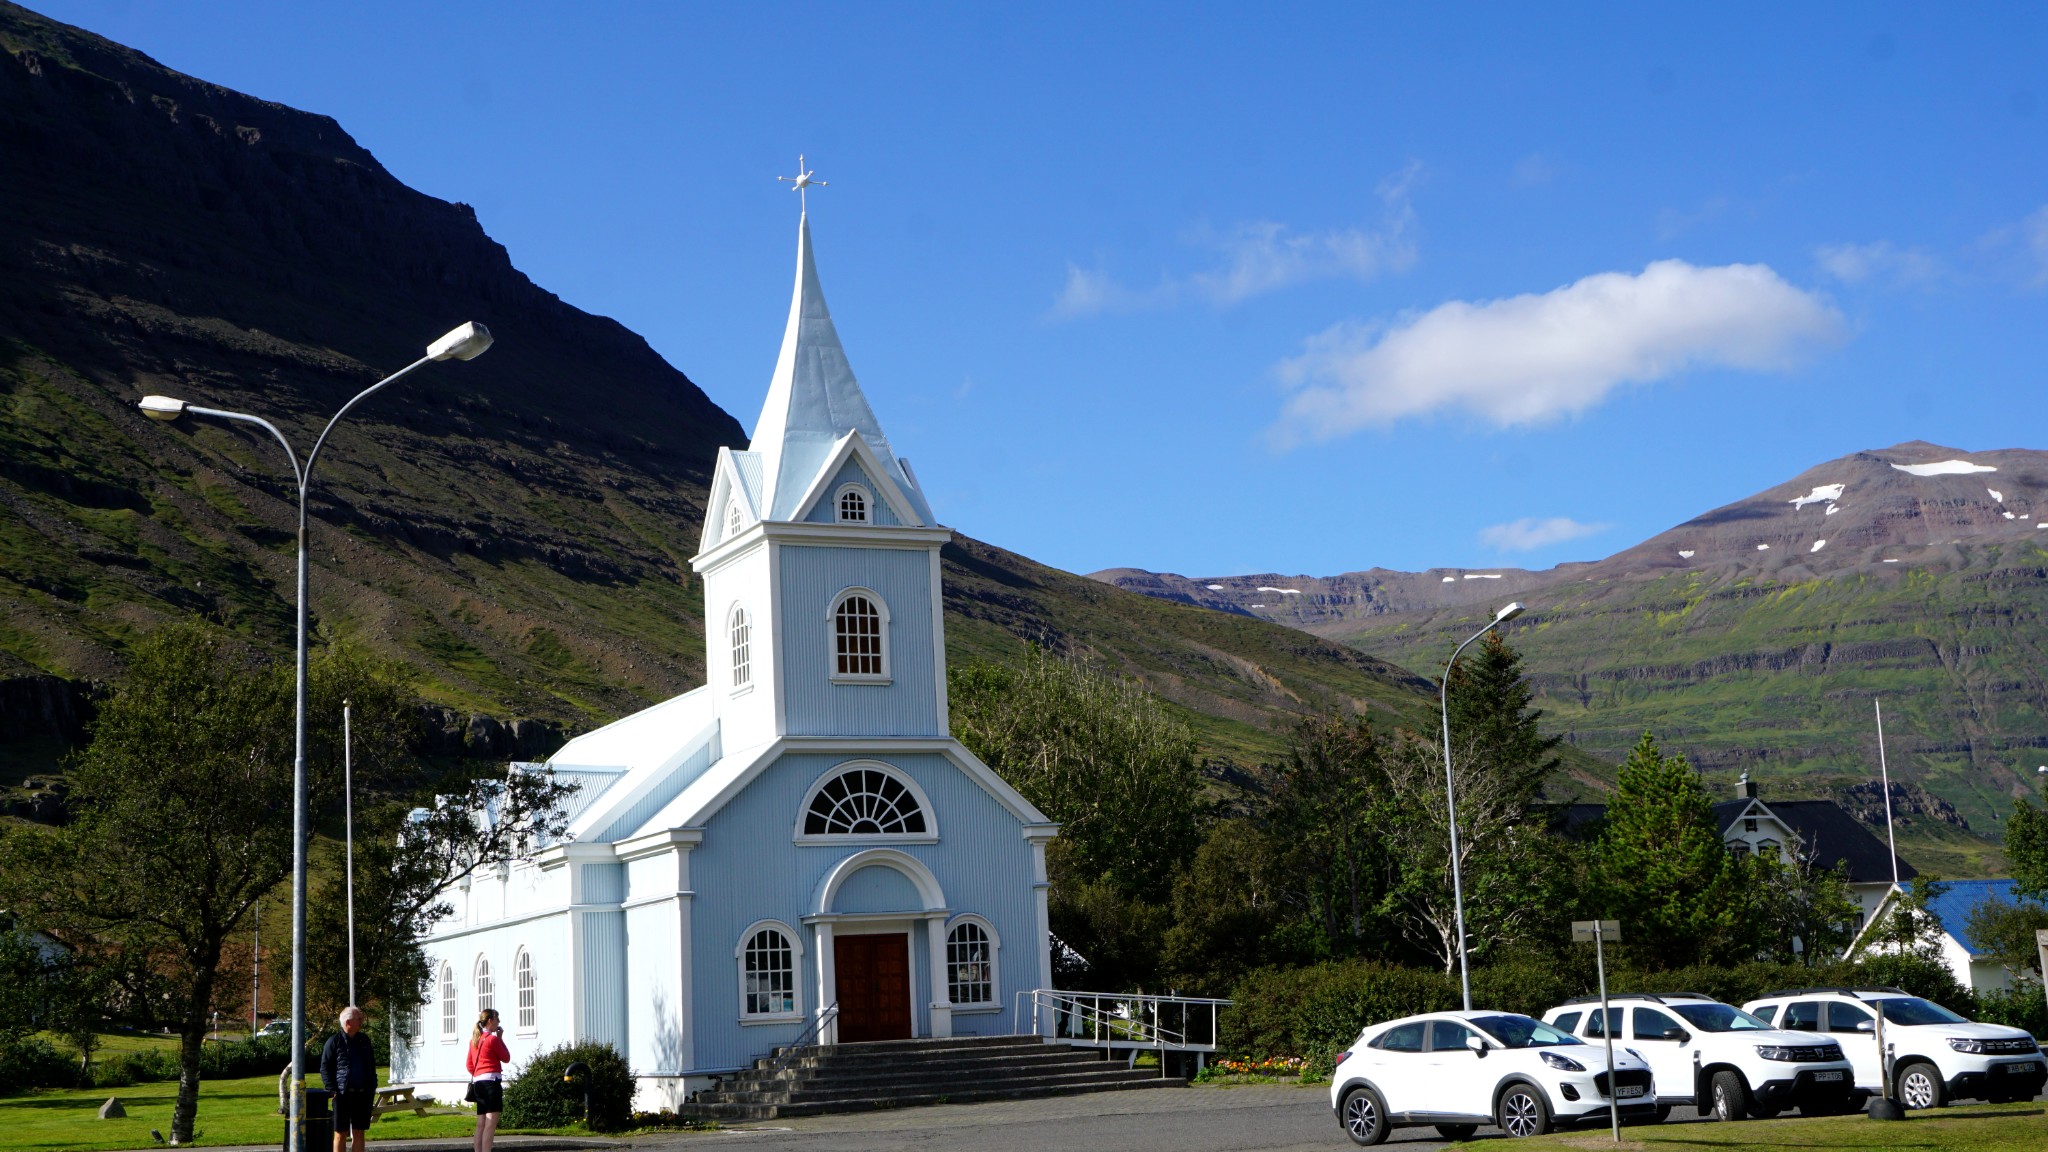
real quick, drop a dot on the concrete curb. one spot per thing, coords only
(460, 1144)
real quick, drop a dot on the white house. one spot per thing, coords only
(1965, 956)
(798, 845)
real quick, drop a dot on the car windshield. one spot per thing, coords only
(1522, 1032)
(1910, 1010)
(1717, 1017)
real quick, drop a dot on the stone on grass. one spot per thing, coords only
(112, 1109)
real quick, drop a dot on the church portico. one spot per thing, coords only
(801, 832)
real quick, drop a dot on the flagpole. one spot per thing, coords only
(1885, 773)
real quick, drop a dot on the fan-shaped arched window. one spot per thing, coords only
(739, 633)
(733, 516)
(522, 979)
(970, 964)
(767, 957)
(859, 636)
(450, 1022)
(865, 801)
(853, 505)
(485, 990)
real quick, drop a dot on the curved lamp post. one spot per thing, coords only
(464, 343)
(1451, 795)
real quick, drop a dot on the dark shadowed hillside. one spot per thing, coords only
(516, 527)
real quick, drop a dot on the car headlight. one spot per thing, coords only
(1776, 1052)
(1964, 1044)
(1563, 1063)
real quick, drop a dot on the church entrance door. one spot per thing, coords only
(873, 973)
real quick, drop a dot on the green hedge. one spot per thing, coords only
(541, 1098)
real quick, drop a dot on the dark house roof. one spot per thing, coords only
(1829, 833)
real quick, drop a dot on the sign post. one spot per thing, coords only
(2041, 942)
(1599, 932)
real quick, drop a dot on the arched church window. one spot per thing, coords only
(970, 964)
(450, 1024)
(864, 802)
(853, 505)
(522, 979)
(733, 515)
(739, 633)
(858, 636)
(485, 990)
(768, 958)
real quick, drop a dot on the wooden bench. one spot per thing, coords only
(397, 1098)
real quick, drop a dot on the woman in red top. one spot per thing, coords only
(486, 1064)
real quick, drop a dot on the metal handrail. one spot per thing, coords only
(816, 1029)
(1121, 1019)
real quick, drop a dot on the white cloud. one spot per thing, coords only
(1856, 263)
(1534, 169)
(1534, 358)
(1529, 533)
(1258, 257)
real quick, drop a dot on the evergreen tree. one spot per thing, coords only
(1491, 716)
(1664, 870)
(1330, 803)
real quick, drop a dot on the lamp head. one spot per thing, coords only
(1509, 613)
(161, 407)
(465, 343)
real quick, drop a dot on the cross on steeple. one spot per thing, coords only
(801, 181)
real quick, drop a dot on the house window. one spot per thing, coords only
(864, 802)
(740, 633)
(522, 978)
(853, 505)
(768, 972)
(449, 1024)
(1749, 824)
(733, 516)
(970, 965)
(1767, 848)
(1738, 849)
(858, 636)
(484, 988)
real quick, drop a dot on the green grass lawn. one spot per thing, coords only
(1973, 1128)
(230, 1112)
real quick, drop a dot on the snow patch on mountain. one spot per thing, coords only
(1817, 546)
(1824, 494)
(1944, 468)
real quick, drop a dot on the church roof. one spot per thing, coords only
(813, 401)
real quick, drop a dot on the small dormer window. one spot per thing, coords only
(853, 505)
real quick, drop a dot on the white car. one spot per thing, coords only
(1721, 1060)
(1458, 1070)
(1937, 1056)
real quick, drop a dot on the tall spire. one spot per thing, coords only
(813, 399)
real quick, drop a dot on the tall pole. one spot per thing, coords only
(1451, 800)
(1885, 773)
(348, 808)
(256, 971)
(1607, 1029)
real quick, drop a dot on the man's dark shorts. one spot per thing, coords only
(490, 1096)
(352, 1111)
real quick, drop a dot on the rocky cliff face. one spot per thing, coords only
(1754, 637)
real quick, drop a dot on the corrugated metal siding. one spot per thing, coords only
(878, 889)
(546, 939)
(826, 510)
(635, 816)
(811, 579)
(747, 869)
(602, 941)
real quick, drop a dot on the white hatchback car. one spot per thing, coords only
(1458, 1070)
(1936, 1055)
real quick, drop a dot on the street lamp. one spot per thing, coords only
(1451, 794)
(464, 343)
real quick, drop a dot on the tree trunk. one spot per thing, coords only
(192, 1043)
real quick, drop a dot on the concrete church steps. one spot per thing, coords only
(902, 1073)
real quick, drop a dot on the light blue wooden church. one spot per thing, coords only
(798, 844)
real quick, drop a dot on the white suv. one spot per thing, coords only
(1936, 1055)
(1722, 1061)
(1458, 1070)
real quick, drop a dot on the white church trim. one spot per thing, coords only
(928, 816)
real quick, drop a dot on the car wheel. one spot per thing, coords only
(1456, 1131)
(1730, 1096)
(1364, 1116)
(1920, 1086)
(1523, 1112)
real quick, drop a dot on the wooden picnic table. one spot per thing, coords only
(397, 1098)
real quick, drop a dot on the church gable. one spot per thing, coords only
(733, 506)
(852, 462)
(852, 497)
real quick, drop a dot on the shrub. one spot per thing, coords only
(2020, 1007)
(1315, 1011)
(541, 1098)
(35, 1063)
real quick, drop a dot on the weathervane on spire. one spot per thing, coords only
(801, 181)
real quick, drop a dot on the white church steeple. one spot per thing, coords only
(814, 403)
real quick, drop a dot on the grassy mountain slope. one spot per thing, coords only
(516, 528)
(1755, 637)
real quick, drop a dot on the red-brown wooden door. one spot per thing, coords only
(873, 973)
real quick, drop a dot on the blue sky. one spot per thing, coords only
(1288, 288)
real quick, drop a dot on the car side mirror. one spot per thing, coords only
(1682, 1036)
(1866, 1025)
(1476, 1045)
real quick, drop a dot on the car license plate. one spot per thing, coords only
(1835, 1075)
(1628, 1090)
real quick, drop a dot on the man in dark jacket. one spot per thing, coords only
(348, 1068)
